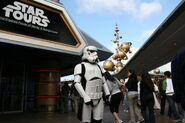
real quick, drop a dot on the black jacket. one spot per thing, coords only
(146, 91)
(132, 84)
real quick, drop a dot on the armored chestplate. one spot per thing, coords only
(92, 71)
(94, 82)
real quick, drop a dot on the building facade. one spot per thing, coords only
(39, 43)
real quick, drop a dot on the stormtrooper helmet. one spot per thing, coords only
(90, 54)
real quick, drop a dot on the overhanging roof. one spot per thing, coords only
(159, 49)
(103, 52)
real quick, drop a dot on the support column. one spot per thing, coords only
(47, 87)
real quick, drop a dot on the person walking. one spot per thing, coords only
(115, 95)
(146, 97)
(178, 79)
(65, 98)
(131, 85)
(168, 88)
(75, 98)
(162, 97)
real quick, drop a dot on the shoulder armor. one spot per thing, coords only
(78, 69)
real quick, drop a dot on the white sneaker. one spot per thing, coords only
(118, 121)
(140, 121)
(126, 111)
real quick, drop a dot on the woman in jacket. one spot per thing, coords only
(115, 95)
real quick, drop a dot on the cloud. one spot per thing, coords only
(112, 47)
(147, 9)
(94, 6)
(134, 7)
(146, 34)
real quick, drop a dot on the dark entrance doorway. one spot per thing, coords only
(11, 87)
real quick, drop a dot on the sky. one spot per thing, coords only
(136, 19)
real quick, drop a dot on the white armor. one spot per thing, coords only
(95, 84)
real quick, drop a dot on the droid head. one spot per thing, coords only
(90, 54)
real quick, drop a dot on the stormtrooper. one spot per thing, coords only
(91, 86)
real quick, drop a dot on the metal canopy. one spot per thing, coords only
(71, 61)
(160, 48)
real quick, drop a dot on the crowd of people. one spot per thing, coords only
(141, 94)
(137, 93)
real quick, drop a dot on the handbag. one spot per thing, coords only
(156, 89)
(156, 102)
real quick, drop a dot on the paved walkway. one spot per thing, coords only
(108, 118)
(65, 118)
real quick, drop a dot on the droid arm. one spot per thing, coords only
(77, 84)
(80, 89)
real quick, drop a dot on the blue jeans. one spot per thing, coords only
(172, 106)
(125, 102)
